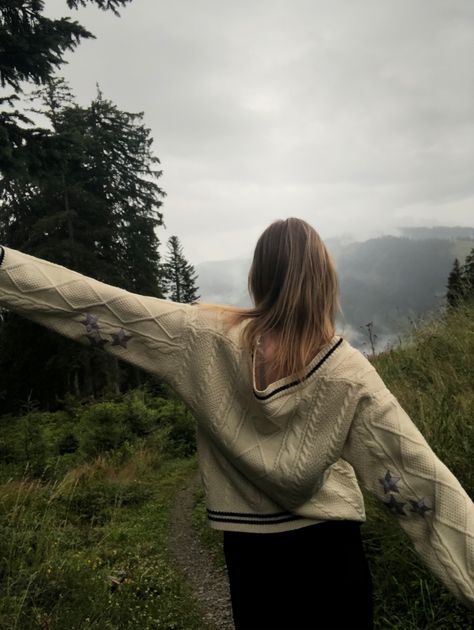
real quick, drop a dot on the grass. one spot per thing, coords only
(431, 375)
(91, 551)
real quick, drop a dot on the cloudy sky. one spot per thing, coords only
(357, 116)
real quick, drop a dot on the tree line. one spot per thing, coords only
(81, 191)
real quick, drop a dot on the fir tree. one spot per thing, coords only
(179, 275)
(32, 48)
(94, 195)
(456, 286)
(467, 271)
(189, 288)
(92, 207)
(121, 150)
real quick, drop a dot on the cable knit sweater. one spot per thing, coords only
(276, 459)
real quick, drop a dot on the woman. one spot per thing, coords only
(296, 578)
(290, 418)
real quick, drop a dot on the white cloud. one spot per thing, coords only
(353, 115)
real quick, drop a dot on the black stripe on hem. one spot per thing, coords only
(294, 517)
(2, 254)
(318, 365)
(247, 514)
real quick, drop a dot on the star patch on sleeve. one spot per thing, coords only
(419, 506)
(389, 482)
(90, 322)
(396, 507)
(120, 338)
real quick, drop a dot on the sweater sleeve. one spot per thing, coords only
(145, 331)
(392, 459)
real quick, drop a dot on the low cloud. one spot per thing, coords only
(357, 117)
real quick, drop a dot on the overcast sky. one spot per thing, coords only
(357, 116)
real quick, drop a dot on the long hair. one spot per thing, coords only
(294, 286)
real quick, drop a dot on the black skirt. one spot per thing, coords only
(313, 578)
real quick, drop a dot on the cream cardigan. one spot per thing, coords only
(276, 459)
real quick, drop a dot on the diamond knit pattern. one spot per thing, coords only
(294, 457)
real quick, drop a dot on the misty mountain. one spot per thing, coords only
(439, 231)
(389, 281)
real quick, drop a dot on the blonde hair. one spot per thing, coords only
(294, 286)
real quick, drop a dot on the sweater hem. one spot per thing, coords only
(258, 527)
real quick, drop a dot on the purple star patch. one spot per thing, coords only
(419, 506)
(90, 322)
(120, 338)
(394, 506)
(389, 482)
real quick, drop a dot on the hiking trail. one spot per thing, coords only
(209, 583)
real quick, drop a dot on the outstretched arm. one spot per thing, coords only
(148, 332)
(392, 459)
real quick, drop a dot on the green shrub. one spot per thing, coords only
(31, 443)
(102, 427)
(180, 427)
(58, 465)
(139, 417)
(68, 443)
(7, 453)
(182, 434)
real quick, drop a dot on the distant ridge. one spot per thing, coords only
(439, 231)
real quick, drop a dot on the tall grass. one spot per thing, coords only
(431, 374)
(85, 543)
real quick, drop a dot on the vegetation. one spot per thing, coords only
(461, 281)
(431, 375)
(179, 274)
(89, 205)
(80, 192)
(88, 464)
(33, 47)
(85, 498)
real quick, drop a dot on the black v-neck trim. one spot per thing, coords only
(296, 381)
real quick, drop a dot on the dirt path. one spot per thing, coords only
(209, 583)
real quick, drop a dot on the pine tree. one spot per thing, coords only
(33, 45)
(456, 286)
(92, 207)
(467, 271)
(32, 48)
(94, 197)
(189, 287)
(179, 275)
(121, 146)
